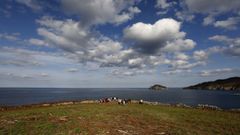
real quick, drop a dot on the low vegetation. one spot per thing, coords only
(114, 119)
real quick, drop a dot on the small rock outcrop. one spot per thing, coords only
(157, 87)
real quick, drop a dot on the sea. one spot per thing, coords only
(28, 96)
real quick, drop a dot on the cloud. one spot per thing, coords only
(181, 56)
(65, 34)
(6, 10)
(44, 75)
(150, 32)
(30, 75)
(212, 6)
(136, 62)
(124, 17)
(33, 4)
(221, 38)
(232, 45)
(94, 12)
(26, 76)
(200, 55)
(163, 4)
(230, 23)
(161, 12)
(131, 72)
(182, 63)
(38, 68)
(177, 71)
(20, 57)
(216, 72)
(80, 44)
(185, 65)
(179, 45)
(208, 20)
(184, 16)
(17, 57)
(203, 55)
(150, 38)
(38, 42)
(72, 70)
(10, 37)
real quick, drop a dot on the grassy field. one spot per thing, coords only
(116, 119)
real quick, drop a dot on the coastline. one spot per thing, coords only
(133, 101)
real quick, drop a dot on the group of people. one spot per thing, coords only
(118, 100)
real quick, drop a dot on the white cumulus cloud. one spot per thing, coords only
(101, 11)
(150, 38)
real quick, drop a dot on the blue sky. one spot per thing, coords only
(117, 43)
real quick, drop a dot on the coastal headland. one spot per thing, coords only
(134, 117)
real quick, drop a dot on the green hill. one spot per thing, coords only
(223, 84)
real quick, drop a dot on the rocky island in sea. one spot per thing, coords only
(157, 87)
(230, 84)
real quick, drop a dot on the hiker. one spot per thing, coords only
(123, 102)
(128, 101)
(141, 101)
(108, 99)
(119, 101)
(114, 99)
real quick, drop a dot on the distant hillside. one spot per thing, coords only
(157, 87)
(223, 84)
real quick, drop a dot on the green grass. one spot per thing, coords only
(117, 119)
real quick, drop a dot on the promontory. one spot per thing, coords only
(229, 84)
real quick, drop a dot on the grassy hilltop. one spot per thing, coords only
(118, 119)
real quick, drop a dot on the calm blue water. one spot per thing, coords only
(24, 96)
